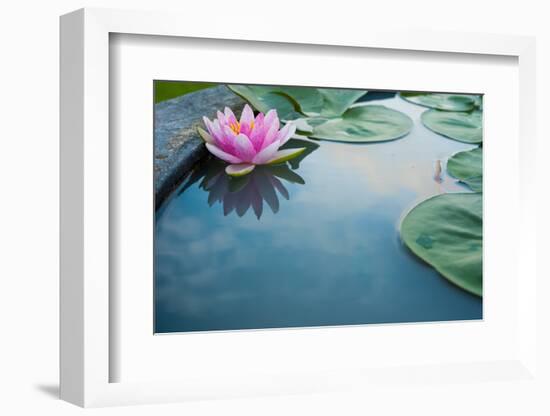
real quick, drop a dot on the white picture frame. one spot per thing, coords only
(86, 265)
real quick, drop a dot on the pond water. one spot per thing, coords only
(313, 244)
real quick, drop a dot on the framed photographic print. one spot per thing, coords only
(331, 223)
(294, 214)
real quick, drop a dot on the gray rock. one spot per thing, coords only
(178, 146)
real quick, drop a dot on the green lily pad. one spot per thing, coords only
(479, 101)
(446, 102)
(468, 168)
(446, 232)
(362, 124)
(266, 98)
(337, 101)
(291, 102)
(464, 127)
(308, 100)
(285, 155)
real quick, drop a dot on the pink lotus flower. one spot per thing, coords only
(248, 142)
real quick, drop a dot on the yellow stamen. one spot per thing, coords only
(236, 127)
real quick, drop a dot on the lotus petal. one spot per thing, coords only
(257, 134)
(229, 116)
(266, 154)
(270, 119)
(214, 128)
(221, 118)
(247, 115)
(284, 155)
(244, 149)
(270, 135)
(240, 169)
(205, 136)
(219, 153)
(286, 133)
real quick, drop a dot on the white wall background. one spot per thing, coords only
(29, 56)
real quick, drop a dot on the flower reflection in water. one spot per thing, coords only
(263, 186)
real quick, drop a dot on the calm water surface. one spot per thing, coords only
(312, 244)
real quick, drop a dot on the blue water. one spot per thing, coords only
(308, 245)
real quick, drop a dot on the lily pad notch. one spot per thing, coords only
(467, 167)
